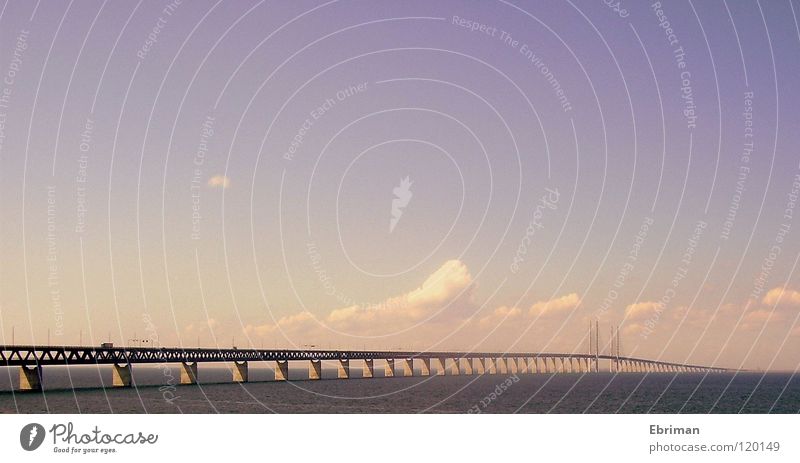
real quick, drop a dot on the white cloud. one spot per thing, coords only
(448, 291)
(220, 181)
(642, 310)
(443, 305)
(782, 296)
(553, 306)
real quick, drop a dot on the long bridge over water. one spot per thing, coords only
(32, 359)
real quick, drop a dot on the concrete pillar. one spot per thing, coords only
(239, 371)
(532, 367)
(477, 364)
(426, 367)
(121, 375)
(368, 370)
(512, 365)
(547, 364)
(455, 370)
(440, 369)
(30, 378)
(585, 365)
(281, 370)
(344, 369)
(408, 367)
(467, 366)
(388, 370)
(501, 362)
(314, 369)
(491, 366)
(559, 365)
(188, 373)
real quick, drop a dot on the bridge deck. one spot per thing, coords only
(28, 355)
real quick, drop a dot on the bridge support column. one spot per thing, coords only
(440, 369)
(281, 370)
(344, 369)
(522, 365)
(314, 369)
(491, 366)
(121, 375)
(388, 370)
(467, 366)
(408, 367)
(425, 369)
(455, 369)
(501, 362)
(188, 373)
(30, 378)
(239, 371)
(559, 365)
(512, 365)
(532, 365)
(368, 369)
(477, 364)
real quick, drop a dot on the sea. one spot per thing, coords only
(156, 390)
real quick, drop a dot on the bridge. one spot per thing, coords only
(31, 359)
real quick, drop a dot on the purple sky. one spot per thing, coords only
(203, 171)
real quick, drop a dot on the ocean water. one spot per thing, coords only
(156, 392)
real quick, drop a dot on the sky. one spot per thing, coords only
(420, 175)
